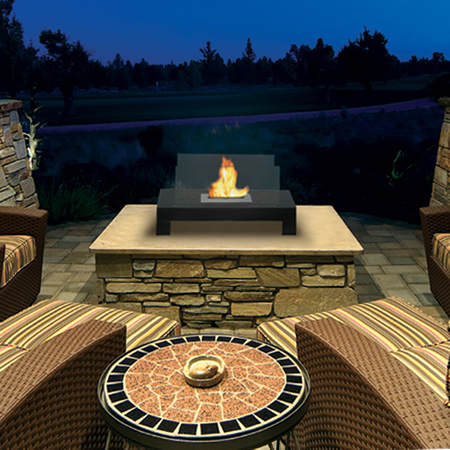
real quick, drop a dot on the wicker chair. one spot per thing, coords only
(22, 290)
(52, 355)
(378, 372)
(436, 219)
(362, 397)
(48, 399)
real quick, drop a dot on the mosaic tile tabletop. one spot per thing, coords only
(263, 391)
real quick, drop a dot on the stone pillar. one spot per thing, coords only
(16, 181)
(440, 194)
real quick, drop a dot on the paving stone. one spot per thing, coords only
(377, 239)
(58, 278)
(49, 291)
(397, 260)
(402, 269)
(364, 279)
(376, 259)
(72, 297)
(404, 293)
(411, 243)
(420, 288)
(384, 281)
(416, 278)
(389, 245)
(368, 289)
(372, 270)
(412, 252)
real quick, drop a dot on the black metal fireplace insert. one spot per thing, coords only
(189, 200)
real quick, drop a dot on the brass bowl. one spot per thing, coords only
(204, 370)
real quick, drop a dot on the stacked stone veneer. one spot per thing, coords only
(238, 291)
(16, 182)
(440, 194)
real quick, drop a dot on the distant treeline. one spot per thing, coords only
(67, 65)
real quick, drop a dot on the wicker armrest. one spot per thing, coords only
(434, 219)
(362, 396)
(48, 399)
(16, 220)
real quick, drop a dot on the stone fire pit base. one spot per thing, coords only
(226, 274)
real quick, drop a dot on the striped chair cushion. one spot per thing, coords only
(447, 379)
(441, 249)
(48, 318)
(392, 322)
(282, 332)
(9, 354)
(428, 363)
(19, 252)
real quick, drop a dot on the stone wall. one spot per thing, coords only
(441, 182)
(239, 291)
(16, 181)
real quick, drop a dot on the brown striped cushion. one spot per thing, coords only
(391, 322)
(282, 332)
(19, 252)
(441, 249)
(48, 318)
(429, 363)
(8, 355)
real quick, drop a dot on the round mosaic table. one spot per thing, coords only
(145, 398)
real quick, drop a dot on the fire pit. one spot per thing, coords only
(197, 198)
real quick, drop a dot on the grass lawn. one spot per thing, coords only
(145, 105)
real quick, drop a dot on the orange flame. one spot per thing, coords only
(225, 186)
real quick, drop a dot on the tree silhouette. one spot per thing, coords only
(249, 55)
(298, 57)
(67, 62)
(212, 65)
(120, 72)
(189, 75)
(320, 67)
(243, 69)
(367, 59)
(14, 57)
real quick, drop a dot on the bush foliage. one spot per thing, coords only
(380, 164)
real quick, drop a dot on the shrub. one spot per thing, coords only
(75, 203)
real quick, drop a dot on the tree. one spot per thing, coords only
(319, 67)
(367, 59)
(67, 62)
(13, 54)
(243, 69)
(298, 57)
(249, 55)
(283, 70)
(212, 65)
(121, 72)
(189, 74)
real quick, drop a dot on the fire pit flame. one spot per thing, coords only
(225, 186)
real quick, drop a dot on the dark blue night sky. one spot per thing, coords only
(174, 30)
